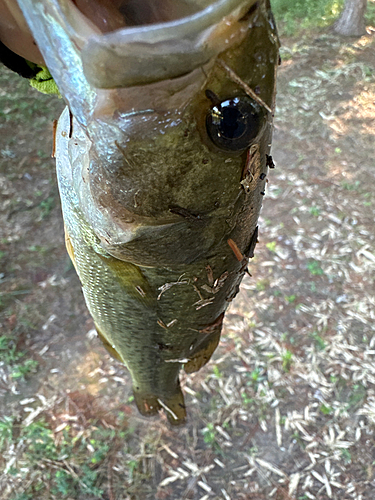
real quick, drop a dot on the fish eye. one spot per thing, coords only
(233, 124)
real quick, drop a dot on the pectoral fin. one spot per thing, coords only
(112, 351)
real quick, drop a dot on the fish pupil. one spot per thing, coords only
(233, 124)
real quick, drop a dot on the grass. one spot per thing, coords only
(60, 455)
(46, 206)
(287, 360)
(262, 285)
(255, 377)
(356, 397)
(295, 17)
(271, 246)
(290, 298)
(314, 211)
(319, 341)
(217, 371)
(14, 360)
(209, 434)
(23, 104)
(63, 463)
(326, 410)
(314, 268)
(346, 456)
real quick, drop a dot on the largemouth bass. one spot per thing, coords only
(162, 154)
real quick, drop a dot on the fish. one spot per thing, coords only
(162, 154)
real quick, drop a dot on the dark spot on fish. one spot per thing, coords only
(233, 293)
(70, 124)
(279, 61)
(249, 252)
(233, 124)
(212, 97)
(269, 161)
(205, 161)
(262, 176)
(164, 347)
(249, 12)
(186, 132)
(257, 90)
(54, 129)
(262, 193)
(182, 406)
(184, 212)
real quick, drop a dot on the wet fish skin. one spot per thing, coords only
(160, 222)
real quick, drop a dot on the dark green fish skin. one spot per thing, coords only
(189, 211)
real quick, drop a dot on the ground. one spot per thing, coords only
(286, 408)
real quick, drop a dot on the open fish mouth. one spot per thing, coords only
(134, 42)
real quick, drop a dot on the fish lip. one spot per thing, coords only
(149, 53)
(178, 28)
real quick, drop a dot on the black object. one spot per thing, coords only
(269, 161)
(17, 63)
(233, 124)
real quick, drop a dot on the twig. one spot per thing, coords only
(250, 92)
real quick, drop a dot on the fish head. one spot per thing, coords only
(170, 96)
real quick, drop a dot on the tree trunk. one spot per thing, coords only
(352, 19)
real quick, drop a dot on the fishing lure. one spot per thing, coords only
(161, 160)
